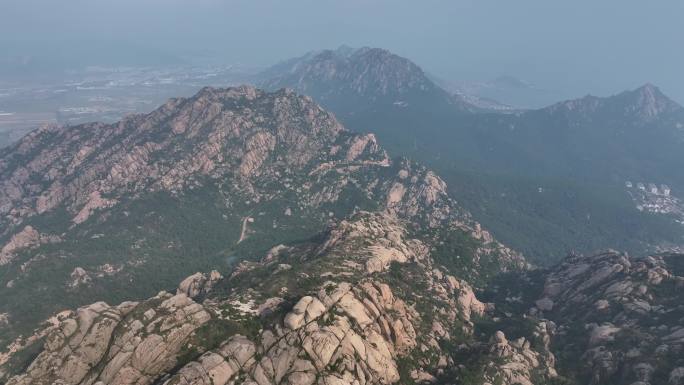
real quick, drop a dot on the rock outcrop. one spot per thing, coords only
(625, 313)
(364, 303)
(340, 335)
(120, 158)
(198, 284)
(27, 238)
(514, 362)
(128, 344)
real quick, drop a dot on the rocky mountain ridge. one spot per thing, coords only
(91, 162)
(631, 311)
(335, 311)
(645, 103)
(116, 212)
(616, 319)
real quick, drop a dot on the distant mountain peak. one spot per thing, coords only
(649, 101)
(354, 78)
(646, 102)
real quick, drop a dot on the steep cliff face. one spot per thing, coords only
(115, 212)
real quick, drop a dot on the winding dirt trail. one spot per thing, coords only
(243, 232)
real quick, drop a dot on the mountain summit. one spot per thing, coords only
(648, 102)
(349, 79)
(644, 103)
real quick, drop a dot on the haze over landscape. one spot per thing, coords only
(224, 192)
(569, 48)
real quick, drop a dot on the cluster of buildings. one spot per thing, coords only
(651, 188)
(652, 198)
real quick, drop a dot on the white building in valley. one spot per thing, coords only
(665, 189)
(652, 188)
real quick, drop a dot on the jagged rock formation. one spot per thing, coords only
(26, 238)
(623, 316)
(513, 362)
(125, 158)
(127, 344)
(352, 330)
(339, 314)
(603, 319)
(198, 284)
(240, 133)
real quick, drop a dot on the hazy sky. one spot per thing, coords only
(579, 46)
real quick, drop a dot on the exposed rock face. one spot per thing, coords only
(128, 344)
(79, 277)
(199, 284)
(362, 304)
(28, 237)
(345, 336)
(121, 158)
(384, 236)
(515, 362)
(95, 201)
(627, 311)
(469, 304)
